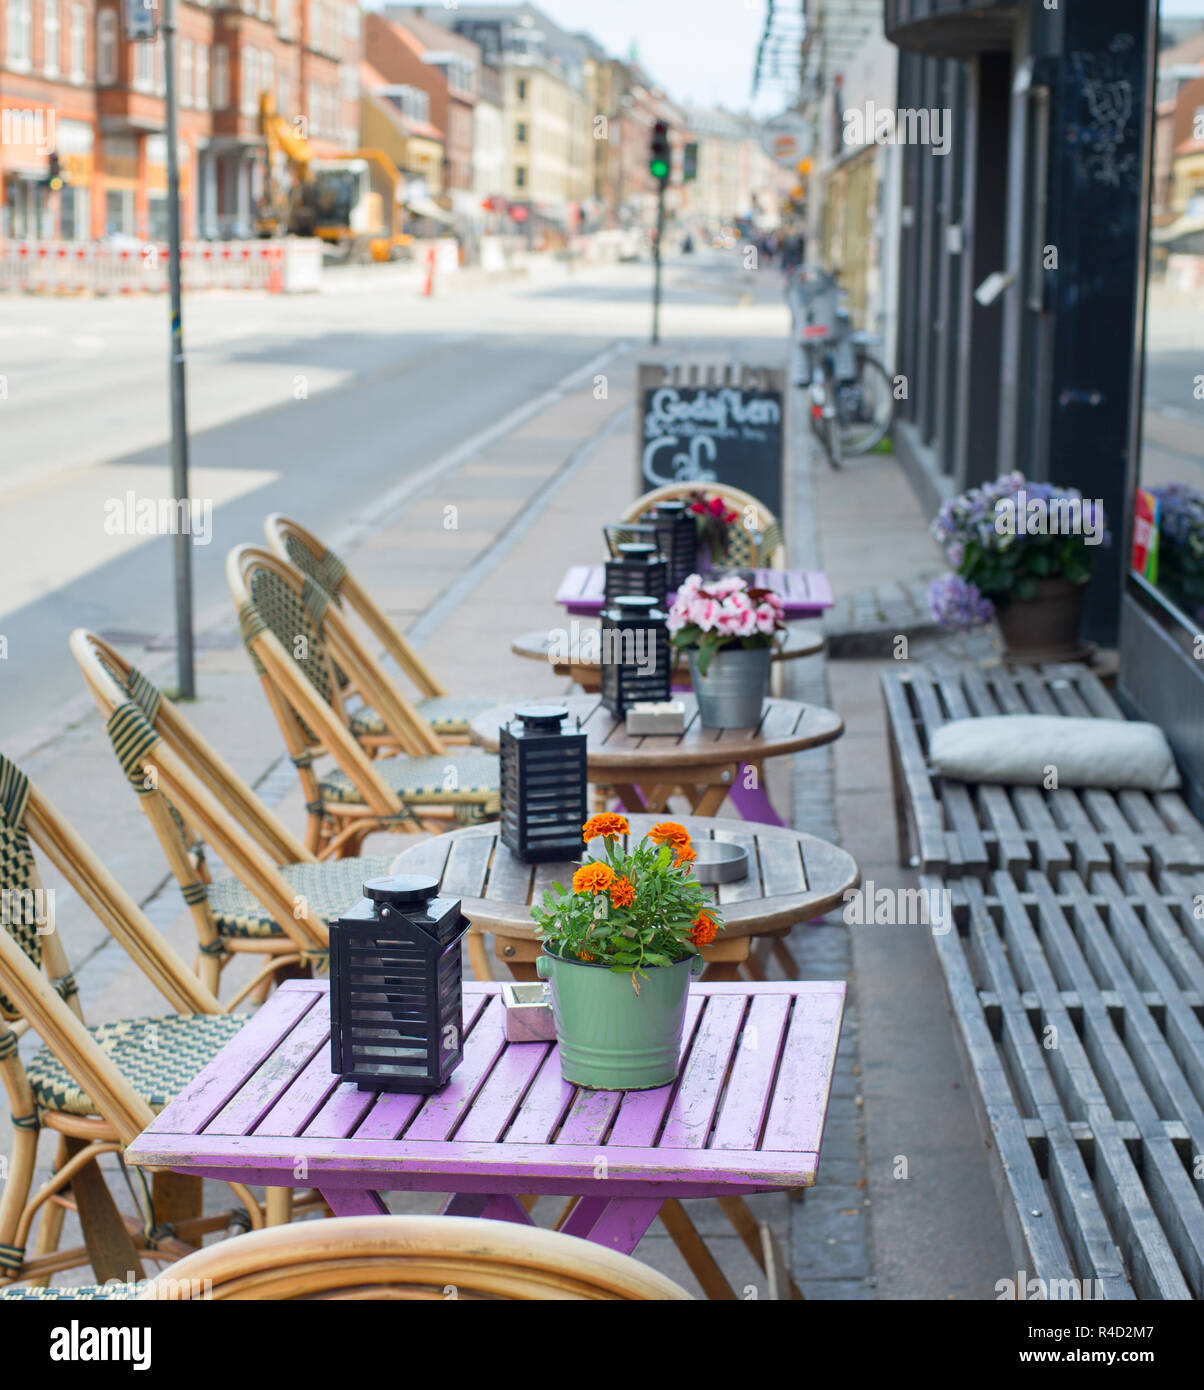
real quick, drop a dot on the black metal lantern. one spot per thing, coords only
(635, 662)
(677, 537)
(619, 533)
(637, 568)
(544, 792)
(396, 1012)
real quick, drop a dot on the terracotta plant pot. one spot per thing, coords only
(1045, 628)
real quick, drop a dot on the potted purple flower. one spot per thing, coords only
(1022, 553)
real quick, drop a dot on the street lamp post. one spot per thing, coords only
(186, 676)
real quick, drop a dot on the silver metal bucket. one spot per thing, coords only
(733, 690)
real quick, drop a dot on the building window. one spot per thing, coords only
(520, 89)
(185, 72)
(160, 67)
(411, 101)
(221, 77)
(520, 176)
(267, 76)
(265, 9)
(144, 67)
(119, 209)
(349, 82)
(50, 37)
(106, 48)
(202, 76)
(250, 80)
(520, 132)
(79, 43)
(19, 28)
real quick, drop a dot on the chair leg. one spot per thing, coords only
(110, 1247)
(478, 957)
(279, 1205)
(694, 1250)
(50, 1228)
(755, 1239)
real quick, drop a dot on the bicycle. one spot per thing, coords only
(852, 401)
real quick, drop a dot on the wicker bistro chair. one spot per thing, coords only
(449, 716)
(295, 635)
(96, 1087)
(280, 899)
(410, 1257)
(755, 542)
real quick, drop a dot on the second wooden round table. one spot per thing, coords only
(792, 877)
(704, 765)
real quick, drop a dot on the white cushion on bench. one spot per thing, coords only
(1018, 748)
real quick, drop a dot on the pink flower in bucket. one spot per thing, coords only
(726, 613)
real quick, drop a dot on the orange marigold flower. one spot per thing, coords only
(585, 955)
(608, 825)
(704, 931)
(622, 892)
(669, 832)
(685, 855)
(593, 878)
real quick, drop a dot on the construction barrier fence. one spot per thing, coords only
(76, 267)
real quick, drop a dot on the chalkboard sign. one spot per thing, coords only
(725, 429)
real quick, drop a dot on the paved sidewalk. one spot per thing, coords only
(469, 558)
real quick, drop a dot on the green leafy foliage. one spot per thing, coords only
(655, 928)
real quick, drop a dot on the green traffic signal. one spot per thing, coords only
(659, 169)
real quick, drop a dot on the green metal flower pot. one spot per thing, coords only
(610, 1038)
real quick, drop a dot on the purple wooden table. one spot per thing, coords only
(745, 1115)
(804, 593)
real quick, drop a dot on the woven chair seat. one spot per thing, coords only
(425, 780)
(114, 1291)
(446, 714)
(329, 889)
(157, 1056)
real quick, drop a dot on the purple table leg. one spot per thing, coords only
(354, 1201)
(753, 802)
(616, 1222)
(490, 1206)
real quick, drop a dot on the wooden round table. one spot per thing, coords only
(704, 765)
(575, 652)
(793, 877)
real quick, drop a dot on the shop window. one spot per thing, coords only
(202, 76)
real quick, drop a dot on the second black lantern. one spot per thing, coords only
(637, 568)
(543, 785)
(635, 653)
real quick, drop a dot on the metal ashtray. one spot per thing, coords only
(719, 862)
(528, 1010)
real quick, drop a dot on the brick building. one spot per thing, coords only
(72, 84)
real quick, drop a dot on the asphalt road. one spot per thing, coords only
(316, 407)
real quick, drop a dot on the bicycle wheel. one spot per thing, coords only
(867, 407)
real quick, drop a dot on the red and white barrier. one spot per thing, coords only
(68, 267)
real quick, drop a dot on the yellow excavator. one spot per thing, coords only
(349, 201)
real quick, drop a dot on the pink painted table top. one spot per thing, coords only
(805, 593)
(746, 1113)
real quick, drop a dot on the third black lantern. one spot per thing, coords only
(635, 653)
(637, 568)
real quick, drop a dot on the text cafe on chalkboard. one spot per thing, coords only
(709, 424)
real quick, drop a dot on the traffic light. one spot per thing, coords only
(689, 163)
(54, 175)
(658, 163)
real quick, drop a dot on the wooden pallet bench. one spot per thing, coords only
(1077, 1008)
(1075, 974)
(953, 828)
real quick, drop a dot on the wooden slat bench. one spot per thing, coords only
(1075, 974)
(952, 828)
(1077, 1008)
